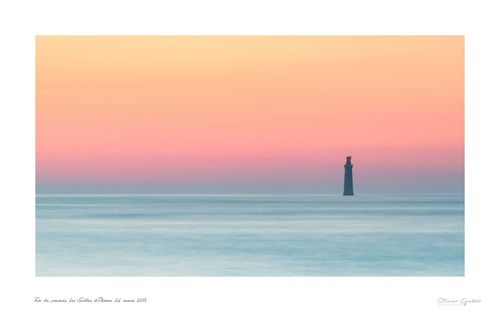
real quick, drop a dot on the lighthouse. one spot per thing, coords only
(348, 189)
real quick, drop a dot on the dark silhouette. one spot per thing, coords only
(348, 189)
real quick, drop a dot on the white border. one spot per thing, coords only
(22, 20)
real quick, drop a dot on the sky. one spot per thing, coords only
(249, 114)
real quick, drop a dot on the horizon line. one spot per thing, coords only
(241, 194)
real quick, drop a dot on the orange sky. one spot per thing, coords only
(207, 111)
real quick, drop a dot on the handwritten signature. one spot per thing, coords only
(457, 302)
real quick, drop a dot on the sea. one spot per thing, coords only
(249, 235)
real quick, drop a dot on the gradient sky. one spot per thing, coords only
(259, 114)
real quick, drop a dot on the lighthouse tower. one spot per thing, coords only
(348, 189)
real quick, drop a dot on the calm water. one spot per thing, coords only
(263, 235)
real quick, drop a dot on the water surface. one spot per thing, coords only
(252, 235)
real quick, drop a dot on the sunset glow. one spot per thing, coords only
(249, 114)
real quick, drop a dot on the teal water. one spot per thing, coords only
(249, 235)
